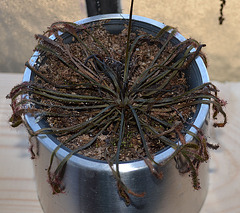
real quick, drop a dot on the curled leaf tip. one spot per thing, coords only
(33, 155)
(15, 120)
(223, 102)
(55, 182)
(213, 146)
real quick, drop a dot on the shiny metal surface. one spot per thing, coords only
(90, 186)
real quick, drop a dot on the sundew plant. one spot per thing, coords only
(116, 97)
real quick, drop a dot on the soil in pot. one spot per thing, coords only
(101, 51)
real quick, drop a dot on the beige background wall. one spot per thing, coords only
(21, 19)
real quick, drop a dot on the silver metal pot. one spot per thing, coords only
(90, 185)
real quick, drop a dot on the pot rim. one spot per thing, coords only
(78, 160)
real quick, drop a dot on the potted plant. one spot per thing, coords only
(114, 114)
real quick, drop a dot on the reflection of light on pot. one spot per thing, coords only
(90, 185)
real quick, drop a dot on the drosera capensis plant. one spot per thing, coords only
(111, 96)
